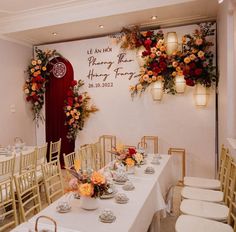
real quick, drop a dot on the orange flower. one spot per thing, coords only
(98, 178)
(130, 162)
(86, 190)
(44, 68)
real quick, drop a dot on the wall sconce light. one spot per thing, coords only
(180, 84)
(157, 90)
(201, 95)
(171, 43)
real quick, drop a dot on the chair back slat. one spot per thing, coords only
(27, 190)
(7, 206)
(7, 168)
(53, 181)
(231, 196)
(28, 161)
(55, 150)
(42, 154)
(150, 143)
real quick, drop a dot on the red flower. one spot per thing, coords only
(156, 70)
(147, 42)
(198, 71)
(74, 83)
(28, 98)
(149, 33)
(189, 82)
(132, 151)
(192, 65)
(146, 53)
(162, 65)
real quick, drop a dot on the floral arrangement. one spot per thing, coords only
(34, 87)
(195, 61)
(88, 183)
(77, 109)
(128, 157)
(198, 58)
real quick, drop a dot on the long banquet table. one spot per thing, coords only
(135, 216)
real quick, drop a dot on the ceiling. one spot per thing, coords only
(33, 22)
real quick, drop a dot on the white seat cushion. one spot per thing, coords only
(204, 209)
(205, 183)
(186, 223)
(202, 194)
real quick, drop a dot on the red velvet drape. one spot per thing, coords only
(56, 90)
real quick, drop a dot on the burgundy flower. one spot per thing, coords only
(149, 33)
(132, 151)
(74, 83)
(28, 98)
(189, 82)
(198, 71)
(162, 65)
(147, 42)
(146, 53)
(192, 65)
(70, 101)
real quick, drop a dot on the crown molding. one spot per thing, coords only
(16, 41)
(76, 11)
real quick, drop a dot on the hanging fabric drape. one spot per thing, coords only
(61, 75)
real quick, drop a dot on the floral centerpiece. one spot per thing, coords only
(128, 157)
(77, 109)
(89, 185)
(34, 87)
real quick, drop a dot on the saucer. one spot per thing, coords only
(59, 210)
(106, 220)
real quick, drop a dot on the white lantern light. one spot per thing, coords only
(140, 59)
(171, 43)
(201, 95)
(157, 90)
(180, 84)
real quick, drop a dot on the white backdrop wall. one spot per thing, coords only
(16, 117)
(175, 120)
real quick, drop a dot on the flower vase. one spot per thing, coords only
(89, 203)
(130, 170)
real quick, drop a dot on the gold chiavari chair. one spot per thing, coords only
(96, 150)
(28, 161)
(209, 194)
(180, 152)
(8, 214)
(28, 197)
(107, 142)
(209, 210)
(69, 161)
(206, 183)
(88, 159)
(53, 180)
(41, 155)
(150, 143)
(7, 168)
(54, 150)
(186, 223)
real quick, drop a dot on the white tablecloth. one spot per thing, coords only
(135, 216)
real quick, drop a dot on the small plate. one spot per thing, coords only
(108, 196)
(64, 210)
(107, 221)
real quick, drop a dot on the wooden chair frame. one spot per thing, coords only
(28, 161)
(41, 154)
(7, 201)
(54, 150)
(181, 152)
(53, 180)
(27, 190)
(106, 156)
(144, 143)
(7, 168)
